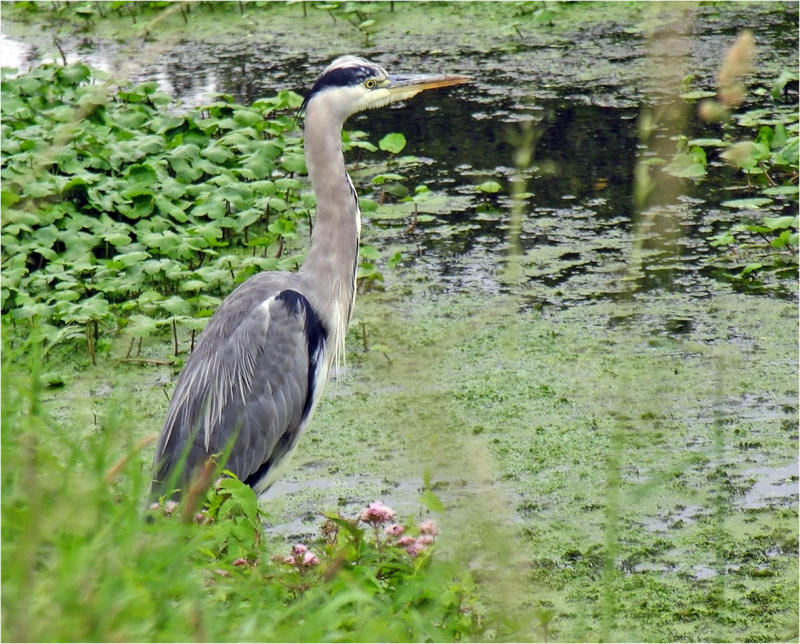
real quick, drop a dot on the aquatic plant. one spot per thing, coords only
(762, 144)
(119, 215)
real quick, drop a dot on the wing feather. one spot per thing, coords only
(252, 379)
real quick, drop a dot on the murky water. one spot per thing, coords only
(578, 224)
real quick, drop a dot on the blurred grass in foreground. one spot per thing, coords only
(84, 559)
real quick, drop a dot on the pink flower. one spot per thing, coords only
(425, 540)
(413, 549)
(299, 549)
(429, 527)
(405, 541)
(377, 513)
(301, 557)
(394, 530)
(170, 506)
(240, 562)
(310, 559)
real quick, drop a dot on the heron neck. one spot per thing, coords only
(331, 262)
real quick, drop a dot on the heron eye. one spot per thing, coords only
(370, 83)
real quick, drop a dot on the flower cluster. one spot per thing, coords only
(378, 514)
(414, 545)
(301, 557)
(168, 508)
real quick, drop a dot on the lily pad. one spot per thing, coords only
(751, 203)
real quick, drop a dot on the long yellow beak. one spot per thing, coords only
(399, 88)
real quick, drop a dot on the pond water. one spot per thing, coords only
(578, 223)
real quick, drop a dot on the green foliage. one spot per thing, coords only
(116, 210)
(120, 215)
(393, 142)
(489, 187)
(84, 560)
(358, 14)
(762, 145)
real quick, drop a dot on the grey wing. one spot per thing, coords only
(251, 380)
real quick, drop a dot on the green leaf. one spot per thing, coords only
(141, 326)
(394, 260)
(143, 174)
(369, 252)
(489, 187)
(393, 142)
(778, 223)
(217, 153)
(708, 142)
(176, 305)
(385, 177)
(785, 77)
(247, 117)
(295, 163)
(352, 528)
(751, 203)
(750, 268)
(264, 187)
(688, 165)
(96, 307)
(74, 73)
(781, 190)
(187, 152)
(786, 238)
(429, 499)
(9, 198)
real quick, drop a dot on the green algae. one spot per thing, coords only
(514, 412)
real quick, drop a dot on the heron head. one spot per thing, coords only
(351, 84)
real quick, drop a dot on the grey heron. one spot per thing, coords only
(252, 382)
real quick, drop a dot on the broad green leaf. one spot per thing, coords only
(781, 190)
(141, 326)
(141, 173)
(176, 305)
(708, 142)
(295, 163)
(429, 499)
(217, 153)
(786, 238)
(369, 252)
(490, 187)
(750, 268)
(688, 165)
(193, 285)
(385, 177)
(752, 202)
(187, 152)
(776, 223)
(9, 198)
(74, 73)
(286, 183)
(263, 187)
(393, 142)
(247, 117)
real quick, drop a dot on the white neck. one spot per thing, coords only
(330, 266)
